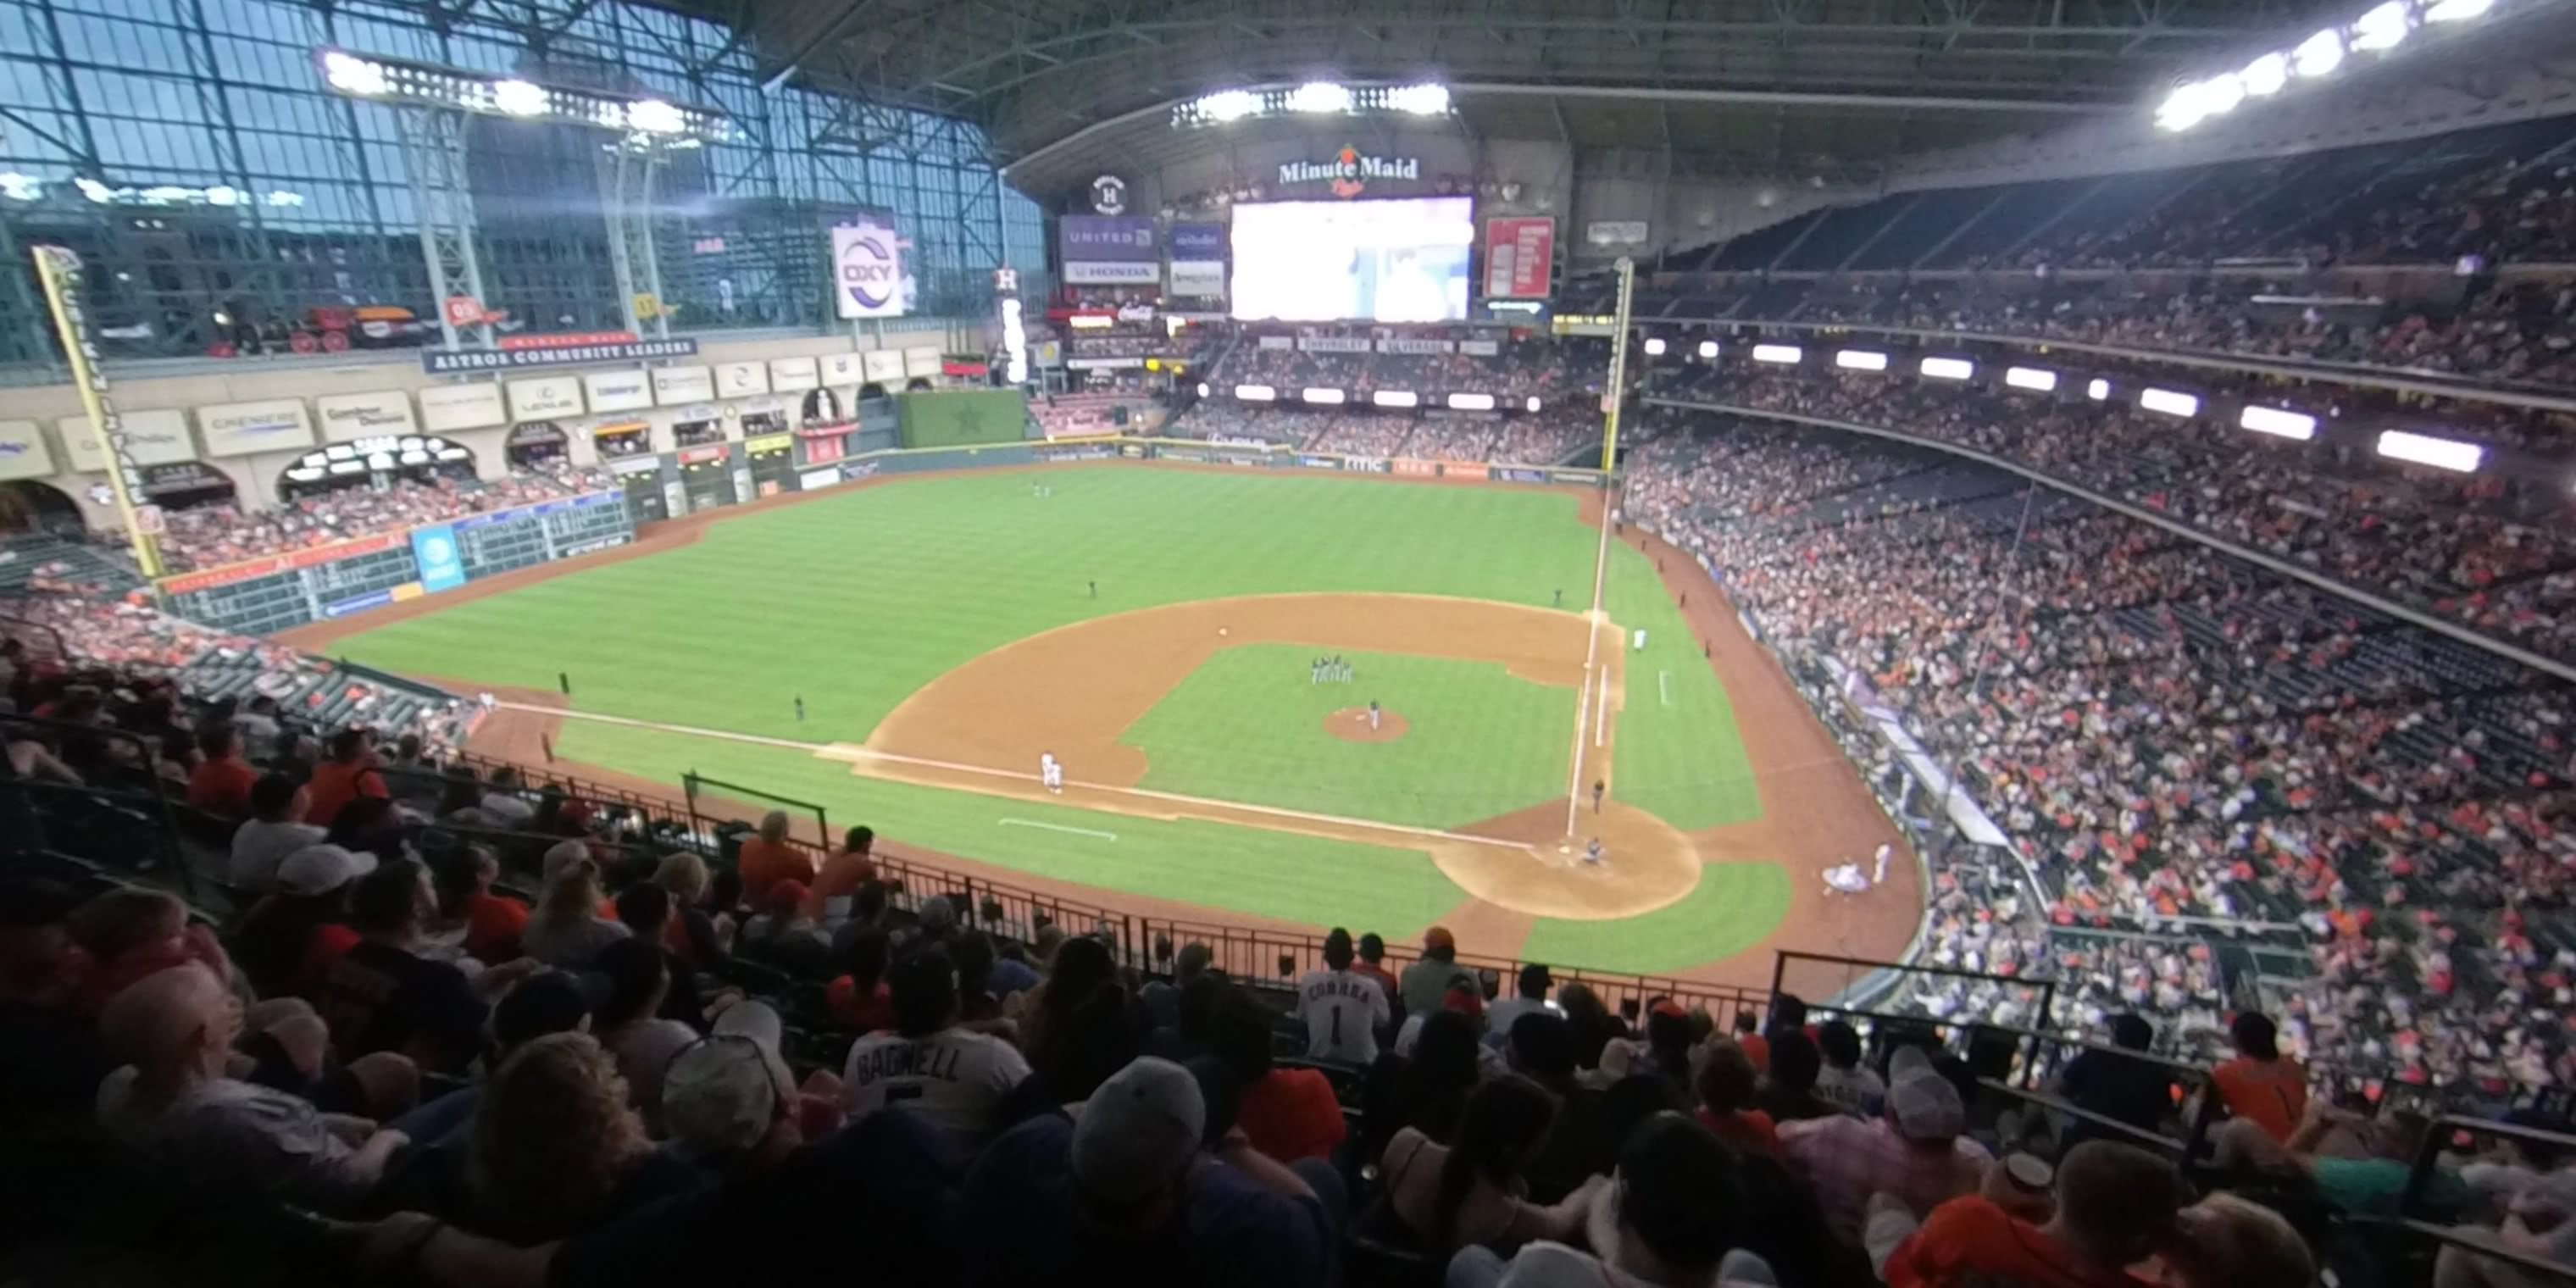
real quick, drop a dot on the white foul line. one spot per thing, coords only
(1601, 710)
(1202, 802)
(1059, 827)
(1591, 654)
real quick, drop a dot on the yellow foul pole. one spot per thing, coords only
(1618, 370)
(59, 271)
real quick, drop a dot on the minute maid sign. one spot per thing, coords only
(1349, 172)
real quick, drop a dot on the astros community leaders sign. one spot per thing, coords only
(439, 362)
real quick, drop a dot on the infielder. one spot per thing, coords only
(1880, 877)
(1846, 878)
(1050, 772)
(1373, 715)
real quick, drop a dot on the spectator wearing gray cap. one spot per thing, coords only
(1917, 1150)
(1128, 1190)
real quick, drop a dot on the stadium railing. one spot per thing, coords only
(2415, 1229)
(126, 828)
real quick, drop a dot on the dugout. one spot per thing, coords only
(706, 476)
(771, 458)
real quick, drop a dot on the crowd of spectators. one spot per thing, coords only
(2423, 537)
(213, 535)
(2174, 742)
(1517, 371)
(618, 1079)
(2513, 332)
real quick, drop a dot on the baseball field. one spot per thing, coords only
(903, 653)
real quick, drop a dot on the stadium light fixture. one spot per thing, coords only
(1786, 355)
(519, 98)
(1203, 389)
(350, 74)
(2318, 55)
(1948, 368)
(2456, 10)
(1396, 398)
(2278, 423)
(650, 122)
(1655, 346)
(2035, 379)
(2265, 76)
(1860, 360)
(1419, 100)
(1320, 98)
(2172, 402)
(1323, 397)
(1707, 349)
(1532, 404)
(2424, 449)
(1255, 393)
(1229, 105)
(1471, 402)
(2098, 390)
(2384, 27)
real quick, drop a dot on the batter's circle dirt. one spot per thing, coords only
(1351, 724)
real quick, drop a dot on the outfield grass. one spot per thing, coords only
(853, 602)
(1249, 726)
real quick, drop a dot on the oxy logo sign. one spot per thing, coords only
(867, 265)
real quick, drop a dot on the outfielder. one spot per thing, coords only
(1050, 772)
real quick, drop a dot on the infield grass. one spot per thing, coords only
(855, 601)
(1249, 725)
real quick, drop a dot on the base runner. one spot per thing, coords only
(1050, 772)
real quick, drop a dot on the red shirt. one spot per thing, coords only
(2272, 1093)
(334, 785)
(1971, 1242)
(493, 924)
(1385, 980)
(1750, 1130)
(866, 1014)
(1292, 1114)
(841, 877)
(222, 787)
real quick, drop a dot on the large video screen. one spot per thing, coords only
(1397, 260)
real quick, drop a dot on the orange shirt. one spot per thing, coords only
(222, 787)
(765, 863)
(841, 877)
(1970, 1241)
(493, 925)
(1292, 1114)
(334, 785)
(2271, 1093)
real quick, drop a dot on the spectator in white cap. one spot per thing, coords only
(288, 941)
(729, 1101)
(1127, 1191)
(1916, 1151)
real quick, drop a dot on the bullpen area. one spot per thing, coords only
(1200, 649)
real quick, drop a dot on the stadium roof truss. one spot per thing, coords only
(1713, 86)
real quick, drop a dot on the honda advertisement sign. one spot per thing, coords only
(1519, 253)
(869, 279)
(1109, 250)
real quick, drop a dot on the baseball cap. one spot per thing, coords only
(553, 1002)
(1464, 1000)
(1438, 937)
(561, 855)
(1926, 1107)
(321, 869)
(720, 1095)
(1138, 1131)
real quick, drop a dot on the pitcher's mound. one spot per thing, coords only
(1351, 725)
